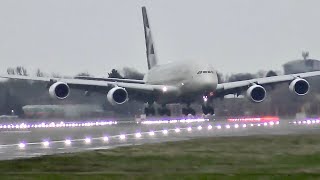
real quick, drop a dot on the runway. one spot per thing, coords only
(22, 140)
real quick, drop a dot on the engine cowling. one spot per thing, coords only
(256, 93)
(117, 96)
(59, 90)
(299, 86)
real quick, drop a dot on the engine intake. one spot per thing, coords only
(117, 95)
(256, 93)
(299, 86)
(59, 90)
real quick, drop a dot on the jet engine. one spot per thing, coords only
(59, 90)
(117, 95)
(299, 86)
(256, 93)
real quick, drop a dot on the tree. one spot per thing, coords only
(130, 73)
(21, 71)
(271, 73)
(86, 74)
(114, 74)
(11, 71)
(39, 73)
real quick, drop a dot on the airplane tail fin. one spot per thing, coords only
(150, 51)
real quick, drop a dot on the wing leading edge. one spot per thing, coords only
(234, 87)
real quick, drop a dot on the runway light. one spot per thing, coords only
(45, 143)
(277, 123)
(209, 127)
(313, 121)
(259, 125)
(165, 132)
(236, 126)
(265, 124)
(67, 142)
(177, 130)
(105, 139)
(218, 127)
(244, 125)
(87, 140)
(299, 122)
(271, 123)
(151, 133)
(199, 128)
(189, 129)
(122, 137)
(228, 126)
(22, 145)
(308, 122)
(138, 135)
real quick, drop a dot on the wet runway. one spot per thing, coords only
(23, 140)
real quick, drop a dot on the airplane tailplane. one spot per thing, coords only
(150, 51)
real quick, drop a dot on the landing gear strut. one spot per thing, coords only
(188, 110)
(207, 110)
(149, 110)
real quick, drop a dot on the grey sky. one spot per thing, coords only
(71, 36)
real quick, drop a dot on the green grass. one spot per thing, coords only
(260, 157)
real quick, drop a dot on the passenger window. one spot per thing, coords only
(199, 72)
(205, 71)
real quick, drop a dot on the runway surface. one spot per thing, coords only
(22, 140)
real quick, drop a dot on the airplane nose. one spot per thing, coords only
(210, 82)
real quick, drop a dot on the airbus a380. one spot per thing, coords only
(183, 82)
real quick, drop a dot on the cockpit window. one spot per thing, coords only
(199, 72)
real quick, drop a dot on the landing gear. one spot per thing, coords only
(149, 110)
(207, 110)
(188, 110)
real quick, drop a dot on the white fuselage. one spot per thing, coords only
(193, 79)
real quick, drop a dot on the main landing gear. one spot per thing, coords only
(188, 110)
(149, 110)
(206, 109)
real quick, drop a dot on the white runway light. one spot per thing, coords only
(244, 125)
(138, 135)
(218, 127)
(199, 128)
(67, 142)
(87, 140)
(177, 130)
(228, 126)
(236, 126)
(189, 129)
(105, 139)
(209, 127)
(165, 132)
(151, 133)
(45, 144)
(122, 137)
(22, 145)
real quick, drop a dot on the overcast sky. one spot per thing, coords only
(72, 36)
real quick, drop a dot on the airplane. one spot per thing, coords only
(183, 82)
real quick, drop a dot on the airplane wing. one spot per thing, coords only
(239, 86)
(98, 85)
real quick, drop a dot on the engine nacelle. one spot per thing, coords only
(299, 86)
(59, 90)
(117, 95)
(256, 93)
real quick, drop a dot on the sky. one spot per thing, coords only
(72, 36)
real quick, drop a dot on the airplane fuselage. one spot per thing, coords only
(192, 78)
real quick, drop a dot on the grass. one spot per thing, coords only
(260, 157)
